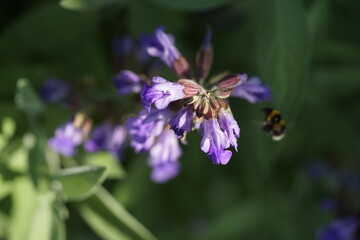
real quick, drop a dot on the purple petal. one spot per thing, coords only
(252, 90)
(207, 40)
(182, 121)
(162, 46)
(117, 141)
(100, 138)
(54, 90)
(127, 82)
(67, 138)
(161, 93)
(164, 157)
(214, 142)
(122, 46)
(229, 125)
(144, 42)
(146, 127)
(107, 137)
(340, 229)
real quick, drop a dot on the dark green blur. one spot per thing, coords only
(308, 52)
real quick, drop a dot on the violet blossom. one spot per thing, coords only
(70, 135)
(54, 90)
(107, 137)
(195, 104)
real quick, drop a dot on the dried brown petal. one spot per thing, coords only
(214, 103)
(191, 87)
(232, 80)
(223, 103)
(222, 92)
(204, 59)
(182, 67)
(210, 114)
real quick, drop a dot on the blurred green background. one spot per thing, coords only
(308, 52)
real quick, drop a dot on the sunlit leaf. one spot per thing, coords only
(31, 216)
(87, 4)
(58, 231)
(4, 221)
(80, 182)
(105, 159)
(5, 188)
(101, 224)
(109, 213)
(8, 127)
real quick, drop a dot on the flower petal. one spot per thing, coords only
(127, 82)
(164, 157)
(252, 91)
(182, 121)
(161, 93)
(229, 125)
(214, 142)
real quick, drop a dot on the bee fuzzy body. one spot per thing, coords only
(274, 124)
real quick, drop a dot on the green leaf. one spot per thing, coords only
(80, 182)
(58, 232)
(101, 224)
(26, 99)
(283, 53)
(4, 222)
(8, 127)
(105, 159)
(87, 4)
(36, 159)
(111, 216)
(192, 5)
(317, 18)
(5, 188)
(31, 216)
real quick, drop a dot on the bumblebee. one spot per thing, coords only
(274, 124)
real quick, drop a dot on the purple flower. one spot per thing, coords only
(122, 46)
(207, 41)
(252, 91)
(143, 43)
(215, 141)
(161, 93)
(182, 121)
(146, 127)
(163, 47)
(164, 157)
(229, 125)
(128, 82)
(100, 138)
(340, 229)
(107, 137)
(67, 138)
(54, 90)
(118, 139)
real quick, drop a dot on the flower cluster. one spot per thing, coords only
(171, 109)
(197, 104)
(187, 104)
